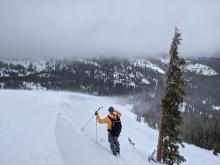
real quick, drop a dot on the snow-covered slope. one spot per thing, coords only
(144, 63)
(39, 65)
(39, 127)
(200, 69)
(195, 68)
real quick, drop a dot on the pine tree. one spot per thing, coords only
(170, 120)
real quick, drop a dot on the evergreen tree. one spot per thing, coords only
(170, 120)
(30, 67)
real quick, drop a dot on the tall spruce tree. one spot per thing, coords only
(170, 119)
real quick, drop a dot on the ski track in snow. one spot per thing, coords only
(41, 127)
(98, 149)
(74, 146)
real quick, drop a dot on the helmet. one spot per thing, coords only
(111, 109)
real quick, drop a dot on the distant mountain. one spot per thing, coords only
(111, 76)
(98, 75)
(142, 78)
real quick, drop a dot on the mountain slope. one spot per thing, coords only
(142, 78)
(32, 132)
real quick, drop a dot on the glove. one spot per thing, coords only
(96, 112)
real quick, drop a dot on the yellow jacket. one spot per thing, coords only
(108, 121)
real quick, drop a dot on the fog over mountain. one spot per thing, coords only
(71, 28)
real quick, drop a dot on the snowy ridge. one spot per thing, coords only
(50, 124)
(24, 63)
(86, 61)
(39, 65)
(123, 74)
(197, 68)
(143, 63)
(15, 67)
(200, 69)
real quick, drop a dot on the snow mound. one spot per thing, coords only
(200, 69)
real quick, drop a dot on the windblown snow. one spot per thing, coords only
(41, 127)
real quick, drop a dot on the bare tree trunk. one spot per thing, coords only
(160, 137)
(162, 114)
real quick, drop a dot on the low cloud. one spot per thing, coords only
(72, 28)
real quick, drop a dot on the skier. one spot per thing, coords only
(113, 127)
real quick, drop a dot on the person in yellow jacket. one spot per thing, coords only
(113, 115)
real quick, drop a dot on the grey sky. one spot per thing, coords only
(39, 28)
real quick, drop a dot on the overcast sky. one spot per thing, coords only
(48, 28)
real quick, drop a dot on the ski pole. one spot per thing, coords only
(96, 131)
(90, 119)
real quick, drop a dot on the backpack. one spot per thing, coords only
(116, 126)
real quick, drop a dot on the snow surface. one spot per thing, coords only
(41, 127)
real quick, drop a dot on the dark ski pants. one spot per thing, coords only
(114, 144)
